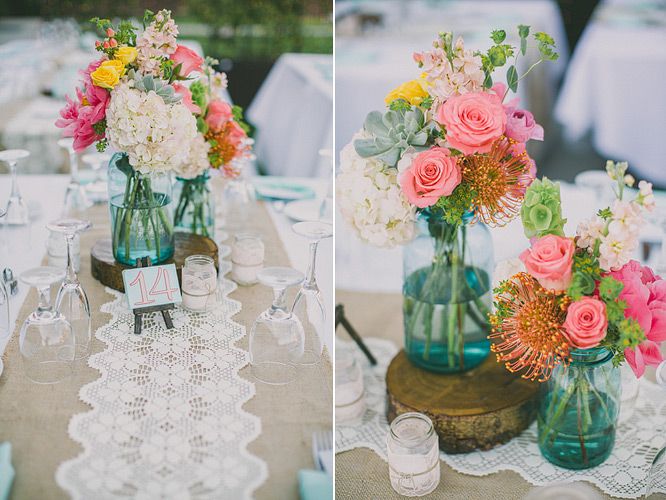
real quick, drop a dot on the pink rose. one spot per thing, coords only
(586, 323)
(549, 260)
(645, 296)
(473, 121)
(189, 60)
(219, 113)
(520, 123)
(186, 97)
(432, 174)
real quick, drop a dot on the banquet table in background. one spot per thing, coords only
(293, 115)
(367, 67)
(614, 86)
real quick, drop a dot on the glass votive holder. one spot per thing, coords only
(56, 250)
(199, 283)
(349, 390)
(412, 447)
(247, 258)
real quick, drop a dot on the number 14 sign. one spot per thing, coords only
(151, 286)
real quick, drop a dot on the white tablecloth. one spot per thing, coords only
(293, 113)
(368, 68)
(24, 247)
(615, 87)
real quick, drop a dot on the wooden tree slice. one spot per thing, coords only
(106, 270)
(475, 410)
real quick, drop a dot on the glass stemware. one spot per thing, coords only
(276, 338)
(46, 341)
(309, 305)
(326, 207)
(97, 190)
(4, 312)
(75, 196)
(72, 300)
(17, 208)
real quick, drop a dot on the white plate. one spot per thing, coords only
(278, 190)
(303, 210)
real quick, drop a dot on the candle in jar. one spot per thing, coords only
(413, 455)
(247, 258)
(349, 397)
(199, 283)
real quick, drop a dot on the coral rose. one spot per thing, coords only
(188, 59)
(550, 261)
(473, 121)
(432, 174)
(586, 323)
(219, 113)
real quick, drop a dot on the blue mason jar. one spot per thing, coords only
(141, 213)
(578, 410)
(447, 295)
(195, 208)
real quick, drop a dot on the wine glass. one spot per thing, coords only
(309, 306)
(46, 341)
(4, 312)
(276, 338)
(17, 208)
(97, 190)
(75, 197)
(72, 300)
(327, 206)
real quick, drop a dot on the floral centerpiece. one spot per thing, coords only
(448, 152)
(129, 99)
(573, 309)
(220, 144)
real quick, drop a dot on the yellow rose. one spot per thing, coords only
(126, 54)
(116, 64)
(108, 74)
(411, 91)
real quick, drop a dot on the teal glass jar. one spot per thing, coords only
(447, 295)
(195, 210)
(578, 410)
(141, 214)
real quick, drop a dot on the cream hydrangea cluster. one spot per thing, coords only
(371, 201)
(151, 132)
(197, 161)
(156, 42)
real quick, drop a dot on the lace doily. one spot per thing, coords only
(622, 475)
(166, 418)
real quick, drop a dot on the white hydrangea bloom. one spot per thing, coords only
(151, 132)
(371, 201)
(197, 160)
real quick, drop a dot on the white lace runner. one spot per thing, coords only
(623, 475)
(166, 418)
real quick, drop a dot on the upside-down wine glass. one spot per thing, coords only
(46, 341)
(75, 197)
(97, 190)
(309, 305)
(72, 301)
(17, 209)
(276, 338)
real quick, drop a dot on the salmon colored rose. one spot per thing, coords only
(190, 60)
(432, 174)
(219, 113)
(586, 323)
(473, 121)
(550, 261)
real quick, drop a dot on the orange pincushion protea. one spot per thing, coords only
(497, 179)
(527, 327)
(224, 149)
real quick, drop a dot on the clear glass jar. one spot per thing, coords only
(247, 258)
(578, 410)
(412, 447)
(447, 295)
(349, 388)
(199, 286)
(195, 210)
(141, 218)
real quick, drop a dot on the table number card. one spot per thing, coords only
(151, 286)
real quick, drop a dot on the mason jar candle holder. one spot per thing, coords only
(349, 389)
(247, 258)
(199, 283)
(413, 455)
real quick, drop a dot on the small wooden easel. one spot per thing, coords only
(340, 318)
(164, 309)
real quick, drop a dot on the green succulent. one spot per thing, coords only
(392, 133)
(148, 82)
(541, 211)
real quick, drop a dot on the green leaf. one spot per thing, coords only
(523, 30)
(488, 80)
(498, 36)
(512, 78)
(523, 46)
(399, 105)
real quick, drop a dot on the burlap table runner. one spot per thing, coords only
(34, 418)
(360, 474)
